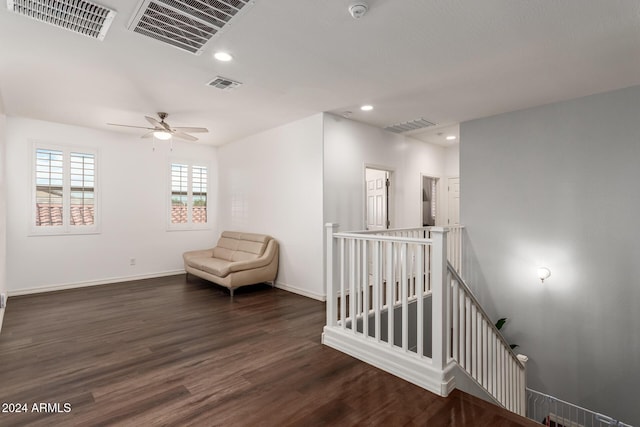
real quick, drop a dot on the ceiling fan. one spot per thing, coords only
(162, 130)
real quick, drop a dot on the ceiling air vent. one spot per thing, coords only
(224, 83)
(185, 24)
(79, 16)
(407, 126)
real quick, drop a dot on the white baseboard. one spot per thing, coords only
(1, 317)
(418, 371)
(303, 292)
(111, 280)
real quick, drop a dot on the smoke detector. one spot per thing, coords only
(358, 10)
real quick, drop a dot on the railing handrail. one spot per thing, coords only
(479, 308)
(404, 229)
(392, 229)
(357, 236)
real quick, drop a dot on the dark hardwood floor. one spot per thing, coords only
(172, 351)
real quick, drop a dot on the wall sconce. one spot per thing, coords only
(543, 273)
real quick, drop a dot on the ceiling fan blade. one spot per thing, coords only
(191, 130)
(129, 126)
(154, 122)
(184, 136)
(148, 135)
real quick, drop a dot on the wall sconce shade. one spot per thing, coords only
(543, 273)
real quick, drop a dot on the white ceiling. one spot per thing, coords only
(445, 61)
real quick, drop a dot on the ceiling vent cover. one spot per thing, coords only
(185, 24)
(79, 16)
(407, 126)
(224, 83)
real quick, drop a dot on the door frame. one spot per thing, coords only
(390, 197)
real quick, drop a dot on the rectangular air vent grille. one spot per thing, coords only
(185, 24)
(223, 83)
(79, 16)
(407, 126)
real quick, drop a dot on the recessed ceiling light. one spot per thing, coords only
(366, 107)
(223, 56)
(451, 137)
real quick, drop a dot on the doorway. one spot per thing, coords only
(377, 185)
(429, 188)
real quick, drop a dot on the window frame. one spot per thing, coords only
(66, 228)
(189, 225)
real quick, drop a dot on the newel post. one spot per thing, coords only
(439, 292)
(330, 274)
(523, 383)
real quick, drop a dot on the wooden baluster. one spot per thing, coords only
(357, 266)
(332, 298)
(377, 286)
(365, 289)
(511, 385)
(404, 290)
(468, 348)
(474, 342)
(463, 330)
(455, 327)
(390, 287)
(352, 285)
(420, 301)
(499, 371)
(343, 293)
(483, 349)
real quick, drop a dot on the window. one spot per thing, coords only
(64, 191)
(189, 188)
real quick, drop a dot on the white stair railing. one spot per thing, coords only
(395, 301)
(479, 349)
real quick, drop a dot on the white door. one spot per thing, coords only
(377, 191)
(454, 201)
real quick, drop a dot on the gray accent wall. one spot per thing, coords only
(559, 186)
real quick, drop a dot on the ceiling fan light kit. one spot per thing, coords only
(161, 134)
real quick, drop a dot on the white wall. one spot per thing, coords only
(3, 210)
(271, 183)
(133, 186)
(557, 186)
(452, 161)
(349, 146)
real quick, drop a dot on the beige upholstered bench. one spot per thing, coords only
(239, 259)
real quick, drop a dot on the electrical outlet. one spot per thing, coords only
(132, 261)
(3, 300)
